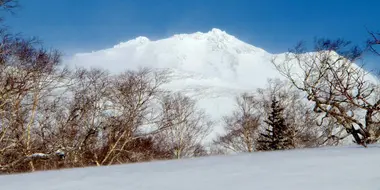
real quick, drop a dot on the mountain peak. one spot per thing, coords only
(217, 31)
(220, 34)
(214, 34)
(137, 41)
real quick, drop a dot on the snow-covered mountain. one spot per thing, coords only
(213, 67)
(214, 55)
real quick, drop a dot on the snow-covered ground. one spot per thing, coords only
(340, 168)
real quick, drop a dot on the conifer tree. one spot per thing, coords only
(279, 135)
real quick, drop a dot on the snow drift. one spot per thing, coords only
(343, 168)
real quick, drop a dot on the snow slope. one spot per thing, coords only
(215, 56)
(343, 168)
(213, 67)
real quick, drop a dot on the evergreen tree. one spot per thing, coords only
(278, 135)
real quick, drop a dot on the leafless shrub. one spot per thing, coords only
(91, 117)
(133, 110)
(184, 126)
(241, 127)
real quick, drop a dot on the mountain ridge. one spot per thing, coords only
(222, 55)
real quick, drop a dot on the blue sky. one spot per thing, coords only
(275, 25)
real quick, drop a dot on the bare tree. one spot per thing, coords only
(185, 126)
(8, 6)
(337, 87)
(134, 111)
(51, 117)
(28, 75)
(248, 120)
(374, 41)
(79, 116)
(242, 126)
